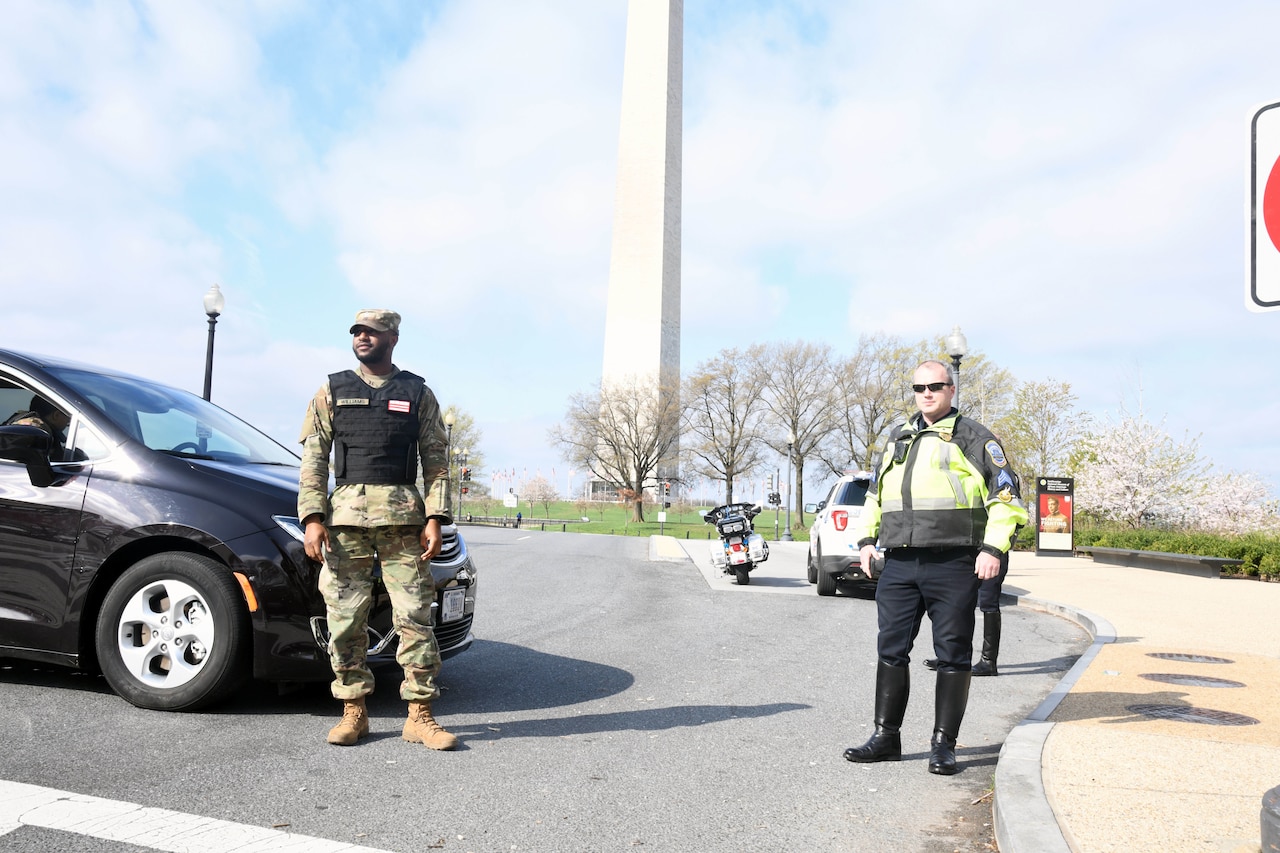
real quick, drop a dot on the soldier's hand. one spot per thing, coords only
(431, 539)
(316, 540)
(867, 553)
(987, 566)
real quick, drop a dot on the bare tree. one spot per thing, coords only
(624, 434)
(723, 412)
(871, 396)
(797, 382)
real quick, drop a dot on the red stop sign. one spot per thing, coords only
(1271, 205)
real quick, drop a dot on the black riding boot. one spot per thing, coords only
(990, 644)
(951, 698)
(892, 688)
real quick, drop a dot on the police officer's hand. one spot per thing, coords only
(315, 539)
(987, 566)
(867, 553)
(431, 539)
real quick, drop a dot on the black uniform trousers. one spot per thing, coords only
(937, 581)
(990, 589)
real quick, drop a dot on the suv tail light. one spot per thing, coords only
(840, 519)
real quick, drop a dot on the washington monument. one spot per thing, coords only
(642, 321)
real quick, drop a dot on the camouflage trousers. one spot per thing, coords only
(346, 582)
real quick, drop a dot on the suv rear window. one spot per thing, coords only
(852, 493)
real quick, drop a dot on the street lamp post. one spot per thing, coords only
(786, 532)
(462, 476)
(956, 348)
(448, 455)
(213, 304)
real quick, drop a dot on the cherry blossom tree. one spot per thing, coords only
(1134, 472)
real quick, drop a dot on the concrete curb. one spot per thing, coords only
(666, 549)
(1024, 819)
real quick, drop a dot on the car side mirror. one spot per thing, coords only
(30, 446)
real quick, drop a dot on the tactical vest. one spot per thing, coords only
(375, 430)
(932, 492)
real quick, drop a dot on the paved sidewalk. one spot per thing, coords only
(1164, 736)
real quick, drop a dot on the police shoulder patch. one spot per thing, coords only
(996, 452)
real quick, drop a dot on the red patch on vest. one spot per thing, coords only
(398, 406)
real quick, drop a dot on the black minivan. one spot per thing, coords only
(152, 536)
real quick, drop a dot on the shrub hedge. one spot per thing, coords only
(1260, 552)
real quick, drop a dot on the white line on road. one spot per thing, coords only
(158, 829)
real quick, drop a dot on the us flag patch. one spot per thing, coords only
(398, 406)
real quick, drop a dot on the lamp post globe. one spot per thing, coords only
(214, 302)
(957, 346)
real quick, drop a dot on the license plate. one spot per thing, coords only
(452, 603)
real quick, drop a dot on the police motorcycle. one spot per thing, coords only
(739, 549)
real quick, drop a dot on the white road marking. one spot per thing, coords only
(158, 829)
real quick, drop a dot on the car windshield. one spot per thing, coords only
(173, 421)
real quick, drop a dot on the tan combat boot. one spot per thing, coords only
(354, 724)
(421, 727)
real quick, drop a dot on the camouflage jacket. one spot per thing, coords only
(368, 504)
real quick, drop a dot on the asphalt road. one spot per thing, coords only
(610, 703)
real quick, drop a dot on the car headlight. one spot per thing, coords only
(292, 525)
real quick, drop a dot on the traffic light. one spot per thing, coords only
(465, 490)
(768, 485)
(466, 473)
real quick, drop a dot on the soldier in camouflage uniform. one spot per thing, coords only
(377, 423)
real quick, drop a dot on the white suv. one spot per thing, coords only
(833, 544)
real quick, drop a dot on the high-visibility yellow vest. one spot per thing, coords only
(945, 484)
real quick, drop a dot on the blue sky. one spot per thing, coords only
(1068, 185)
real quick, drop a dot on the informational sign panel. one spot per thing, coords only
(1055, 497)
(1264, 211)
(510, 500)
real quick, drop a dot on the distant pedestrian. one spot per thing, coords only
(945, 508)
(519, 517)
(378, 423)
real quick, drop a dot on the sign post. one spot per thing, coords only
(1264, 210)
(1055, 499)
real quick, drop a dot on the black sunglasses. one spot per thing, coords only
(935, 387)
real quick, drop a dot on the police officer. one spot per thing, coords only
(377, 422)
(945, 509)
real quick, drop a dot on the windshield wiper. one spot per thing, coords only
(187, 454)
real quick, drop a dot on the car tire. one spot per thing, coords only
(826, 582)
(174, 633)
(812, 568)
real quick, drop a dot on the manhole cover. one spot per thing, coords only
(1187, 658)
(1185, 714)
(1189, 680)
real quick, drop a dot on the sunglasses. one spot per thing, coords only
(935, 387)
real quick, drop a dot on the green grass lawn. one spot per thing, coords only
(683, 520)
